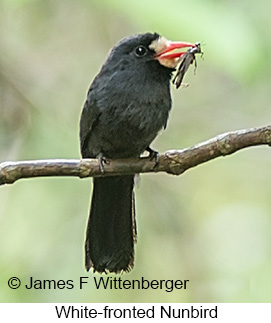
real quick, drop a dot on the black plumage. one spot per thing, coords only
(127, 104)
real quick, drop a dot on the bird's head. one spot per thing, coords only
(149, 47)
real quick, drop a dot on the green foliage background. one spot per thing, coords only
(212, 225)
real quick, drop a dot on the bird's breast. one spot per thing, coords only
(126, 131)
(132, 110)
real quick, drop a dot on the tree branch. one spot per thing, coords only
(173, 162)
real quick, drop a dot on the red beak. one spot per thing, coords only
(166, 53)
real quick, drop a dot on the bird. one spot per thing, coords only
(127, 104)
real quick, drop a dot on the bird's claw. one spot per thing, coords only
(102, 160)
(153, 155)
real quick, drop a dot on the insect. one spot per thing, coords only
(187, 59)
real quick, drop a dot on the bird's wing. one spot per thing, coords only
(89, 117)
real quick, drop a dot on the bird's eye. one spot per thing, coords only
(140, 51)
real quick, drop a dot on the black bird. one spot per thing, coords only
(127, 104)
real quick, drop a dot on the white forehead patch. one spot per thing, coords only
(158, 45)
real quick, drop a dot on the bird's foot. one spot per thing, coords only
(102, 160)
(153, 155)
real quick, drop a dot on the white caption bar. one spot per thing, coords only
(186, 312)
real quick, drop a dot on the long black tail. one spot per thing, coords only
(111, 230)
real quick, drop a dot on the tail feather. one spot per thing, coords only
(111, 230)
